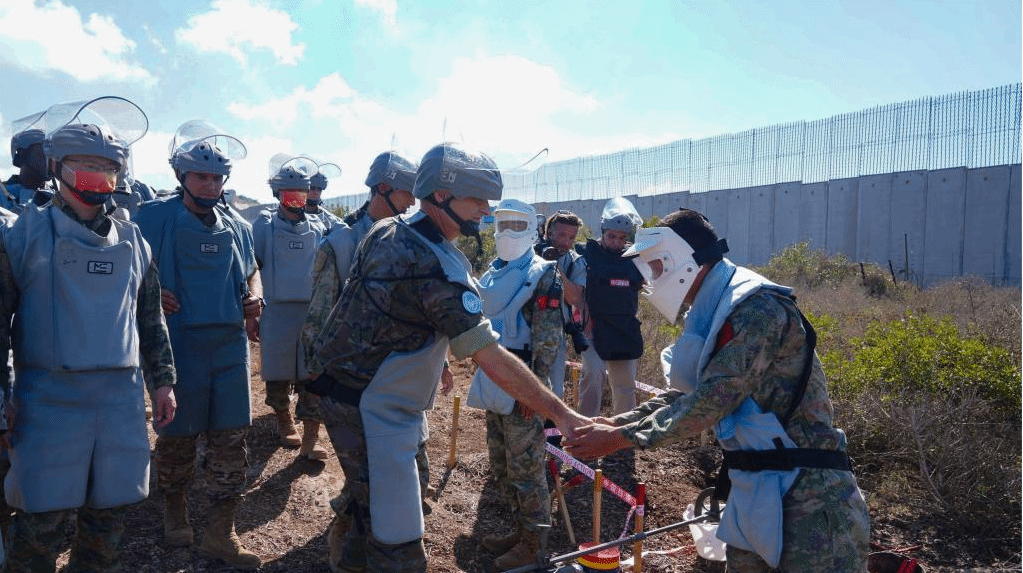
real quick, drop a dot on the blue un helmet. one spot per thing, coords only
(200, 147)
(21, 141)
(393, 170)
(324, 171)
(463, 172)
(103, 127)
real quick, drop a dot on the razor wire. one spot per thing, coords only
(970, 129)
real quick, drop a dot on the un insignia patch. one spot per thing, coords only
(472, 303)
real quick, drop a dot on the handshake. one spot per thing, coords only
(590, 438)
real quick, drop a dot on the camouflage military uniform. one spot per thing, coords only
(515, 442)
(34, 539)
(224, 464)
(330, 271)
(825, 521)
(397, 300)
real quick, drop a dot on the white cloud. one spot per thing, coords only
(388, 9)
(94, 49)
(154, 39)
(509, 103)
(505, 105)
(235, 27)
(330, 97)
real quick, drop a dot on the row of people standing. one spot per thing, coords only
(184, 269)
(376, 360)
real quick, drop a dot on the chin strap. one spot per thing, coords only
(387, 198)
(466, 228)
(199, 201)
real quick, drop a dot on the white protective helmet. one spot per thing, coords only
(667, 263)
(514, 228)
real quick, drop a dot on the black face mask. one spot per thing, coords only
(294, 210)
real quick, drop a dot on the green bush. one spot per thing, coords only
(930, 354)
(798, 264)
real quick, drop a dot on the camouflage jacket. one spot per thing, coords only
(154, 339)
(330, 271)
(546, 324)
(397, 300)
(763, 360)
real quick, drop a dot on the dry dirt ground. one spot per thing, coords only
(285, 512)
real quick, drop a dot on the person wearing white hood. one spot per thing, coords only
(521, 295)
(745, 366)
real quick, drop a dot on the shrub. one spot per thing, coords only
(798, 264)
(921, 352)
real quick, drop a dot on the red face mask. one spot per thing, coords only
(293, 198)
(94, 181)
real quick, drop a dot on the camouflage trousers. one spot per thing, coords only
(515, 445)
(224, 463)
(34, 541)
(278, 397)
(360, 548)
(825, 528)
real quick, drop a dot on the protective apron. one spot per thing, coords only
(504, 292)
(203, 267)
(287, 252)
(752, 518)
(80, 438)
(393, 409)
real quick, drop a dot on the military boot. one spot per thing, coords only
(177, 532)
(500, 544)
(286, 429)
(220, 540)
(310, 436)
(524, 552)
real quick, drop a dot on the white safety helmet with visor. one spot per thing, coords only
(514, 228)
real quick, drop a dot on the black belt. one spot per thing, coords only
(326, 386)
(785, 459)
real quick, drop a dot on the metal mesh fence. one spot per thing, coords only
(967, 129)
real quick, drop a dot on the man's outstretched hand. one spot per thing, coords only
(596, 440)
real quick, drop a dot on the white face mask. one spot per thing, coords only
(667, 264)
(515, 233)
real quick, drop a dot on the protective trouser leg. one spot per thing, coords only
(33, 541)
(97, 544)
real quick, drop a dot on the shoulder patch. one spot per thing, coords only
(471, 302)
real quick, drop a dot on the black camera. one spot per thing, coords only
(575, 331)
(550, 253)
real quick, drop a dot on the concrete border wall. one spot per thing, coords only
(930, 226)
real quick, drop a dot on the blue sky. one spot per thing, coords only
(339, 80)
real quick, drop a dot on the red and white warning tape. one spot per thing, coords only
(590, 473)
